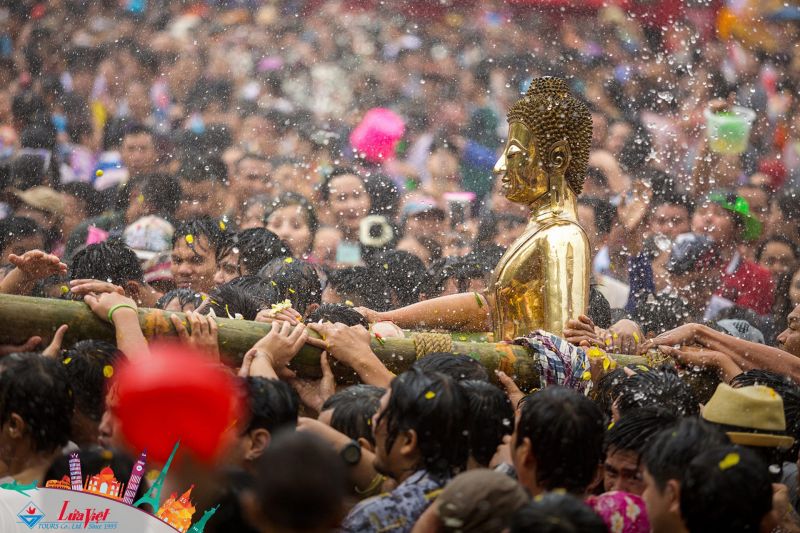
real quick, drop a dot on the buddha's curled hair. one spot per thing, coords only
(553, 114)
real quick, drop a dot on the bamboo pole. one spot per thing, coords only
(22, 317)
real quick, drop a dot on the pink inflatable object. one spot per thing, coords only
(377, 135)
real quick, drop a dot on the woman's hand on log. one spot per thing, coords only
(515, 395)
(582, 332)
(103, 303)
(36, 264)
(284, 315)
(82, 287)
(370, 315)
(282, 343)
(680, 336)
(624, 337)
(690, 356)
(315, 392)
(204, 333)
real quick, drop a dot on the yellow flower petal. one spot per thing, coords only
(67, 360)
(108, 371)
(222, 225)
(288, 260)
(594, 351)
(430, 395)
(730, 460)
(606, 363)
(636, 337)
(189, 239)
(99, 173)
(586, 376)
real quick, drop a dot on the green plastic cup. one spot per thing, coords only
(729, 131)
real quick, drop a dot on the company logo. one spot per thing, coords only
(30, 515)
(86, 516)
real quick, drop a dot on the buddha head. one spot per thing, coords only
(549, 135)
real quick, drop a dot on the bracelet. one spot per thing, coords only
(118, 306)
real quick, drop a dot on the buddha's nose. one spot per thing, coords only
(500, 167)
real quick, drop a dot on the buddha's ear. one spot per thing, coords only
(559, 156)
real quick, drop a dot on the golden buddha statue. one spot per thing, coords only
(543, 278)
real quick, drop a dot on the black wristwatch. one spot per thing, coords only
(351, 453)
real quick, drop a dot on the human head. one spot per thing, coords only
(403, 274)
(460, 367)
(273, 407)
(202, 183)
(726, 488)
(338, 313)
(180, 300)
(693, 268)
(670, 216)
(344, 193)
(656, 388)
(779, 255)
(247, 252)
(550, 133)
(326, 244)
(18, 235)
(624, 444)
(115, 263)
(491, 417)
(421, 424)
(351, 410)
(194, 248)
(295, 280)
(596, 217)
(479, 500)
(89, 365)
(252, 177)
(789, 339)
(138, 150)
(726, 219)
(665, 461)
(253, 209)
(150, 194)
(300, 486)
(353, 286)
(245, 296)
(291, 217)
(35, 407)
(557, 441)
(557, 513)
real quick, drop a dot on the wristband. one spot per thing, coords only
(118, 306)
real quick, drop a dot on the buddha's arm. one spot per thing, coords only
(467, 311)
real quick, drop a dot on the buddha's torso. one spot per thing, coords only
(543, 278)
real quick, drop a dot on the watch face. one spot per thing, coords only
(351, 453)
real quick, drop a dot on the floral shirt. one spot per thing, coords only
(398, 510)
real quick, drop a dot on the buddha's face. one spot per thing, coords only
(520, 166)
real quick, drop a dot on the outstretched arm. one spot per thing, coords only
(468, 311)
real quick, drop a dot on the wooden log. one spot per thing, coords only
(23, 317)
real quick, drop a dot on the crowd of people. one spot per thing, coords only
(209, 158)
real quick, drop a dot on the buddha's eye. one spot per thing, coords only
(514, 151)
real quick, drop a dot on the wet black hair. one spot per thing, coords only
(28, 170)
(86, 194)
(358, 285)
(661, 388)
(604, 212)
(185, 296)
(566, 431)
(256, 247)
(599, 308)
(37, 389)
(403, 275)
(353, 409)
(201, 226)
(672, 449)
(274, 405)
(13, 228)
(491, 417)
(434, 406)
(727, 488)
(245, 295)
(633, 432)
(557, 513)
(110, 261)
(161, 191)
(294, 280)
(338, 313)
(458, 366)
(207, 168)
(85, 364)
(487, 226)
(300, 484)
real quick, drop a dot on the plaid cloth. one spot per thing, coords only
(559, 362)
